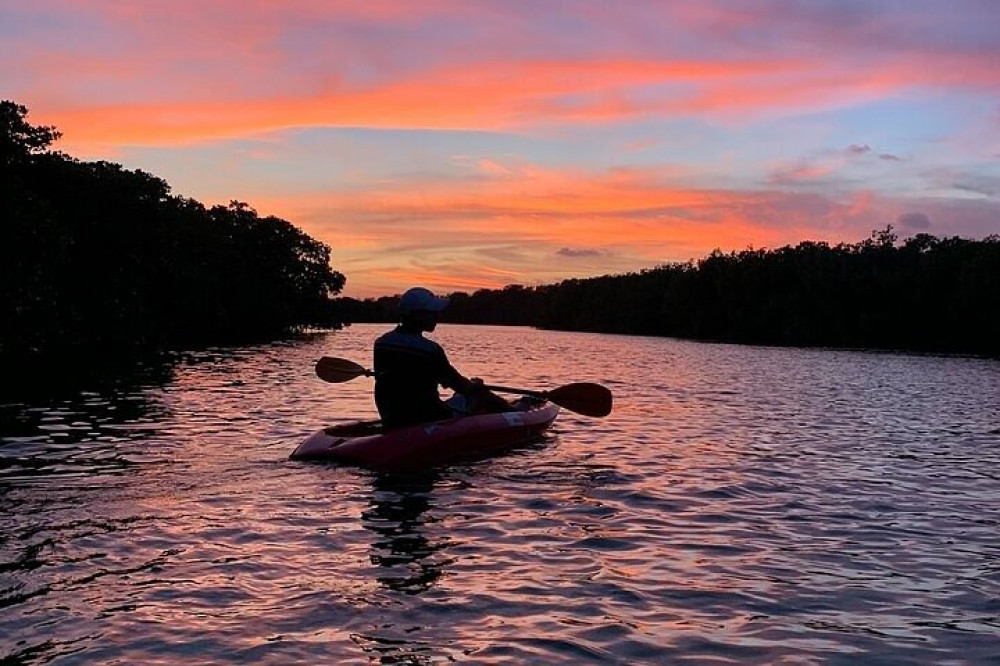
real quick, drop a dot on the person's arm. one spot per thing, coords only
(451, 378)
(474, 388)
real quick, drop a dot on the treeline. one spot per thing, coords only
(95, 258)
(925, 294)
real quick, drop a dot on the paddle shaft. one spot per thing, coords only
(506, 389)
(583, 398)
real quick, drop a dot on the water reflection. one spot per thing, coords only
(741, 505)
(399, 515)
(83, 434)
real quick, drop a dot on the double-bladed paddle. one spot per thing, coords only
(581, 397)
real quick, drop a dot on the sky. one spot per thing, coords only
(473, 144)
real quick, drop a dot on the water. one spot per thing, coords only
(741, 505)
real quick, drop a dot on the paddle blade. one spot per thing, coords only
(583, 398)
(337, 370)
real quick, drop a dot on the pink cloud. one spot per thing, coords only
(112, 75)
(506, 95)
(801, 173)
(163, 73)
(615, 220)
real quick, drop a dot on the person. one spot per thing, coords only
(409, 368)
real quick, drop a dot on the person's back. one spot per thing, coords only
(408, 370)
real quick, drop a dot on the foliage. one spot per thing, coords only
(926, 293)
(19, 139)
(94, 256)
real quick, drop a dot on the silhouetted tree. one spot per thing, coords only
(98, 258)
(18, 138)
(928, 293)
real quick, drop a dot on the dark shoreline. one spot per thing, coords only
(923, 294)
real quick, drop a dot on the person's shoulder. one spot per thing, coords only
(434, 346)
(400, 339)
(388, 335)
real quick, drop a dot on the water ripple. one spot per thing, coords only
(741, 505)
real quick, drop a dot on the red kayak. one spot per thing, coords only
(366, 443)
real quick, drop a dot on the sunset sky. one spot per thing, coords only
(469, 144)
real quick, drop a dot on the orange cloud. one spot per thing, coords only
(443, 277)
(114, 75)
(506, 95)
(512, 229)
(482, 96)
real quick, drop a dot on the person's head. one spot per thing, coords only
(419, 309)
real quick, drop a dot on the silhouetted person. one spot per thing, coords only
(409, 368)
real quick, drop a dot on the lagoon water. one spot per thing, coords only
(740, 505)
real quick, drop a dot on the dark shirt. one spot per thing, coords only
(408, 370)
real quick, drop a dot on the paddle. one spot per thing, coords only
(580, 397)
(337, 370)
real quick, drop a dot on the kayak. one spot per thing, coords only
(367, 444)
